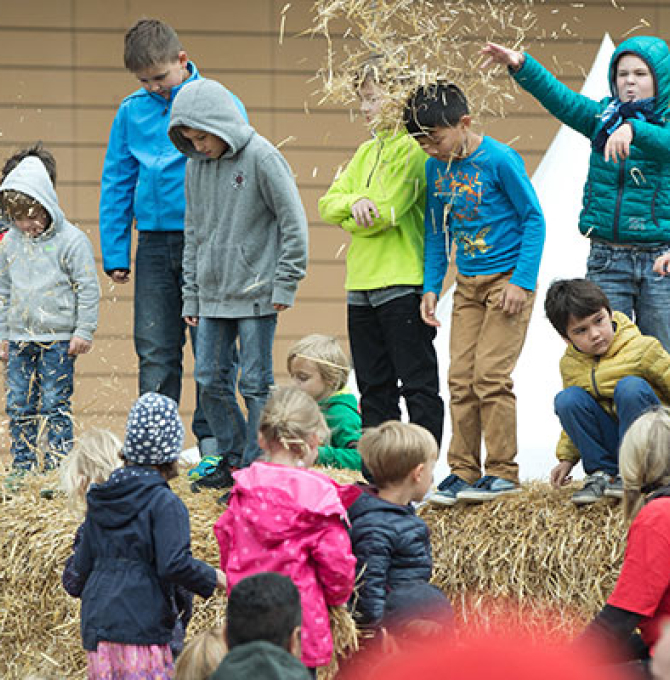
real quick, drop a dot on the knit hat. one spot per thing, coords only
(154, 431)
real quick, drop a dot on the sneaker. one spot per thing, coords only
(593, 489)
(488, 488)
(205, 467)
(220, 478)
(614, 487)
(447, 490)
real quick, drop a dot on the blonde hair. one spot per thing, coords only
(289, 418)
(201, 656)
(95, 455)
(329, 357)
(644, 458)
(393, 449)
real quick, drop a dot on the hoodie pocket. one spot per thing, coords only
(232, 275)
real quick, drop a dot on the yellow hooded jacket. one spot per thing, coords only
(630, 353)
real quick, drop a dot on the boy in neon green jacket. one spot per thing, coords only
(379, 200)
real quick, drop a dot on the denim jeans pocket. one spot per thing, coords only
(599, 259)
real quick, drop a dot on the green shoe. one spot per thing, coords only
(205, 467)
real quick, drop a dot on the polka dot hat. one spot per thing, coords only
(154, 431)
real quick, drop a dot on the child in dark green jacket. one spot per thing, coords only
(626, 203)
(319, 367)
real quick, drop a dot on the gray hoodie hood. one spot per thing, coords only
(207, 105)
(30, 177)
(48, 283)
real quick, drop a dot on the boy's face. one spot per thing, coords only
(32, 222)
(205, 142)
(307, 377)
(372, 100)
(161, 78)
(592, 334)
(446, 143)
(425, 479)
(634, 79)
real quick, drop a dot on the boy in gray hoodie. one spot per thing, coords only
(245, 250)
(49, 298)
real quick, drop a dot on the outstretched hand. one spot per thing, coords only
(497, 54)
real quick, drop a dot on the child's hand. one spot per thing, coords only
(220, 580)
(512, 299)
(4, 350)
(79, 346)
(662, 264)
(560, 475)
(119, 275)
(497, 54)
(428, 307)
(364, 212)
(191, 320)
(279, 307)
(618, 145)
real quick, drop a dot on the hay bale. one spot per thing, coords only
(509, 558)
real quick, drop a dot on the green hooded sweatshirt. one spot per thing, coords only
(344, 422)
(388, 170)
(624, 202)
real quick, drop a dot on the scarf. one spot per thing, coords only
(619, 112)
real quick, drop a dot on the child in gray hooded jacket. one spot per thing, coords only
(49, 298)
(245, 250)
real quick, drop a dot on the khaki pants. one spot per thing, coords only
(485, 345)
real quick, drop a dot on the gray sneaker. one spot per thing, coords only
(614, 487)
(593, 489)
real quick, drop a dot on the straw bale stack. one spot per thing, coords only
(509, 559)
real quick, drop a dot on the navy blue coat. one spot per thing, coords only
(135, 550)
(392, 549)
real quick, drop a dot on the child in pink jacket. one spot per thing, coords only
(286, 518)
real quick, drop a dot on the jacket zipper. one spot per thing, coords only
(619, 198)
(593, 381)
(374, 167)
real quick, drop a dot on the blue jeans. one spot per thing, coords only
(593, 431)
(40, 379)
(216, 374)
(160, 331)
(626, 276)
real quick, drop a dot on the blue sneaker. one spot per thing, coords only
(488, 488)
(205, 467)
(447, 490)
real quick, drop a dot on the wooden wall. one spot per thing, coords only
(63, 78)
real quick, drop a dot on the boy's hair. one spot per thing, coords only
(149, 43)
(95, 455)
(329, 357)
(17, 206)
(644, 458)
(36, 150)
(265, 606)
(393, 449)
(201, 656)
(372, 68)
(434, 106)
(290, 417)
(578, 298)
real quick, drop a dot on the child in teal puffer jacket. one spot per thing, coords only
(626, 202)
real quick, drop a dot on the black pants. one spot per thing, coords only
(391, 344)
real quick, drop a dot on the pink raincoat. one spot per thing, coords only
(291, 521)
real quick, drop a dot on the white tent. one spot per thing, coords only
(558, 180)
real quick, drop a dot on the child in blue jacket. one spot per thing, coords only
(135, 551)
(626, 203)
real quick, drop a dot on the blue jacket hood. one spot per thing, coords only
(655, 53)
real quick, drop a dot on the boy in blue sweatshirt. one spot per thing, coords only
(245, 251)
(143, 182)
(479, 193)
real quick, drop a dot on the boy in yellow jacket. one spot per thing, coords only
(611, 375)
(379, 200)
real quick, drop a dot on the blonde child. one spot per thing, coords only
(318, 366)
(392, 544)
(135, 550)
(286, 518)
(641, 597)
(201, 656)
